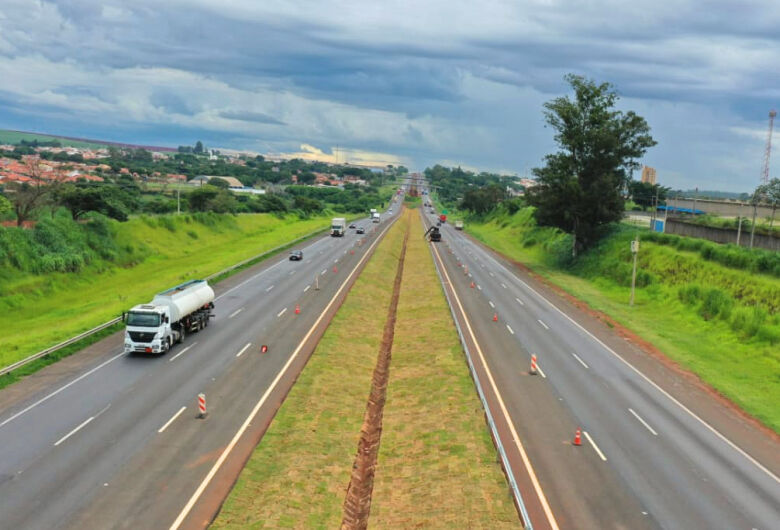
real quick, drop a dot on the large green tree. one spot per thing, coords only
(580, 186)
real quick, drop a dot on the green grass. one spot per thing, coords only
(41, 310)
(437, 465)
(14, 137)
(727, 331)
(298, 474)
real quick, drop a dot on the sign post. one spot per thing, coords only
(634, 251)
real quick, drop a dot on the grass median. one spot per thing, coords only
(298, 474)
(437, 465)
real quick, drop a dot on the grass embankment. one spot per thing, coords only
(298, 475)
(703, 305)
(14, 137)
(437, 464)
(39, 310)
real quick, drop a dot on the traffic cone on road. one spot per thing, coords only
(335, 269)
(472, 285)
(533, 370)
(297, 309)
(578, 437)
(495, 317)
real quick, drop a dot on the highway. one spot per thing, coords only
(110, 440)
(657, 450)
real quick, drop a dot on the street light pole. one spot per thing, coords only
(634, 251)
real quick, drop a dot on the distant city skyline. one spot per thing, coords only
(455, 82)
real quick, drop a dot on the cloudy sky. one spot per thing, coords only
(416, 82)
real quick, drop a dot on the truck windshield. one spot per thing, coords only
(336, 227)
(145, 320)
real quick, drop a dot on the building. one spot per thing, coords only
(648, 175)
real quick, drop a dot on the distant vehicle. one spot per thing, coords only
(155, 327)
(338, 227)
(433, 234)
(352, 225)
(458, 225)
(438, 223)
(443, 218)
(375, 217)
(360, 230)
(296, 255)
(390, 210)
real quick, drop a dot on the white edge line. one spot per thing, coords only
(479, 287)
(510, 329)
(237, 311)
(323, 272)
(519, 301)
(167, 423)
(269, 289)
(74, 431)
(280, 313)
(580, 360)
(199, 491)
(543, 324)
(306, 288)
(595, 447)
(674, 400)
(643, 422)
(45, 398)
(491, 304)
(181, 352)
(539, 369)
(503, 285)
(515, 437)
(248, 344)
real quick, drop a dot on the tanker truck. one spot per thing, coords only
(155, 327)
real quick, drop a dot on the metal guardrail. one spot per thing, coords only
(491, 423)
(43, 353)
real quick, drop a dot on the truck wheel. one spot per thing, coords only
(167, 346)
(181, 335)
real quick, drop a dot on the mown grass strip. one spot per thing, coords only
(298, 474)
(37, 311)
(437, 465)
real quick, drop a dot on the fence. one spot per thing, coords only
(721, 235)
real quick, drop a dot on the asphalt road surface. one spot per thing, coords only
(657, 450)
(109, 440)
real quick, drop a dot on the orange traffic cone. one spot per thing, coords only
(472, 285)
(297, 309)
(578, 437)
(533, 370)
(495, 317)
(335, 269)
(351, 251)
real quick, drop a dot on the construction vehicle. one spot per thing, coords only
(433, 234)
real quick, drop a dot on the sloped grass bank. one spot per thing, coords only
(147, 255)
(715, 315)
(437, 465)
(298, 474)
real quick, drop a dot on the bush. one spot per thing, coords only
(716, 303)
(748, 320)
(770, 334)
(690, 294)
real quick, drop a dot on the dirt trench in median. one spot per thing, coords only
(357, 504)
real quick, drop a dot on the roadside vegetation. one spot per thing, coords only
(712, 308)
(62, 277)
(433, 431)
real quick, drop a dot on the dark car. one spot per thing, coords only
(352, 225)
(296, 255)
(360, 230)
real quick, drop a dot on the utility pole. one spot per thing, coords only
(178, 201)
(634, 251)
(739, 228)
(753, 227)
